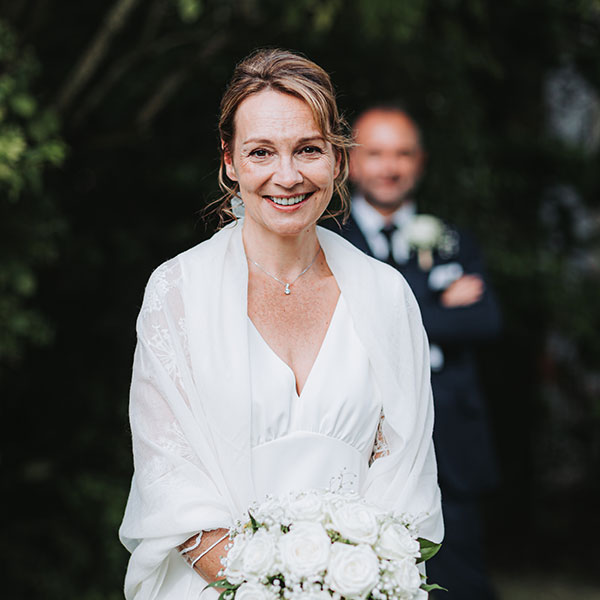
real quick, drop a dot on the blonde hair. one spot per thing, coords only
(288, 73)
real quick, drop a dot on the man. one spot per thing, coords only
(445, 272)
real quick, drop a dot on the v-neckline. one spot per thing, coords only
(320, 351)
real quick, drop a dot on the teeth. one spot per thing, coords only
(288, 201)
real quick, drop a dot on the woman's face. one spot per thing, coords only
(284, 167)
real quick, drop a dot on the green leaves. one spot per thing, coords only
(189, 10)
(254, 524)
(428, 549)
(222, 583)
(28, 136)
(29, 221)
(228, 588)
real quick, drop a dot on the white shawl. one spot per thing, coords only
(190, 403)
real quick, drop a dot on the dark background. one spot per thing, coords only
(108, 154)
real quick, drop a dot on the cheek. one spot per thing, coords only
(410, 169)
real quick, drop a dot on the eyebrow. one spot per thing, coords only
(304, 140)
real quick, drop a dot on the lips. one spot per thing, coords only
(289, 200)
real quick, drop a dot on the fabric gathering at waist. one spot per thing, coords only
(288, 464)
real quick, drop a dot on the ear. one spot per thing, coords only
(338, 162)
(228, 160)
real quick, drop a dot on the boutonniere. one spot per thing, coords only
(427, 234)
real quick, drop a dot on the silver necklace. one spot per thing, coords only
(287, 285)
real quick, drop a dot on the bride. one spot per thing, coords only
(274, 356)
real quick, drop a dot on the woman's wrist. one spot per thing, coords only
(204, 551)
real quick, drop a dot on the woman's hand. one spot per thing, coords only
(210, 564)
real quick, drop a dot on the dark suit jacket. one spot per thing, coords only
(464, 448)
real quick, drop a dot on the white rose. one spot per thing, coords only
(424, 231)
(260, 554)
(353, 570)
(396, 542)
(304, 550)
(356, 521)
(406, 577)
(254, 591)
(234, 565)
(306, 507)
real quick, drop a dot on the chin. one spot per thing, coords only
(291, 229)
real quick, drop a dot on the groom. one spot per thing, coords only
(445, 271)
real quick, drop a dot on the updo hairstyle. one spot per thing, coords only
(288, 73)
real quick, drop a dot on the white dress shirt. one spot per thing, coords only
(371, 222)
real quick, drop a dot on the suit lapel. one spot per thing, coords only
(351, 231)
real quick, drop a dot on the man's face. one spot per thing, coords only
(387, 162)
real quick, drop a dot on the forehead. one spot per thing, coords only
(386, 129)
(274, 116)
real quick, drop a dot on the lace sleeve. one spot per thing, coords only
(380, 444)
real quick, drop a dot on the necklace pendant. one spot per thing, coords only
(287, 290)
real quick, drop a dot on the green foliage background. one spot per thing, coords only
(108, 154)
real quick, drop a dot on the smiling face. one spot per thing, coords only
(284, 167)
(387, 162)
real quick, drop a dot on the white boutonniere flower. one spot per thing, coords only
(426, 234)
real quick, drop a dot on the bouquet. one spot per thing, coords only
(324, 546)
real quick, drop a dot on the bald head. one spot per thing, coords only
(387, 161)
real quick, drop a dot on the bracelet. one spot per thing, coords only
(194, 546)
(209, 549)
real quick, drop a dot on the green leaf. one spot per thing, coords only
(428, 587)
(428, 549)
(23, 105)
(222, 583)
(253, 522)
(189, 10)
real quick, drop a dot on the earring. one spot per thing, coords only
(237, 206)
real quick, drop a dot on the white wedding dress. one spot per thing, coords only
(324, 437)
(216, 421)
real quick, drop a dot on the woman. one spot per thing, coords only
(272, 356)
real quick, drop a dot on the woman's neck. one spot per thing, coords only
(282, 256)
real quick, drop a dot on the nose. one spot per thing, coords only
(390, 167)
(286, 173)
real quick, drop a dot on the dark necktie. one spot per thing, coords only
(388, 232)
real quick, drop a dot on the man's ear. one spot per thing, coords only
(228, 160)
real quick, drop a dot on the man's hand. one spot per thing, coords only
(466, 290)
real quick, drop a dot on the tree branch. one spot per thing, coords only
(120, 67)
(99, 46)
